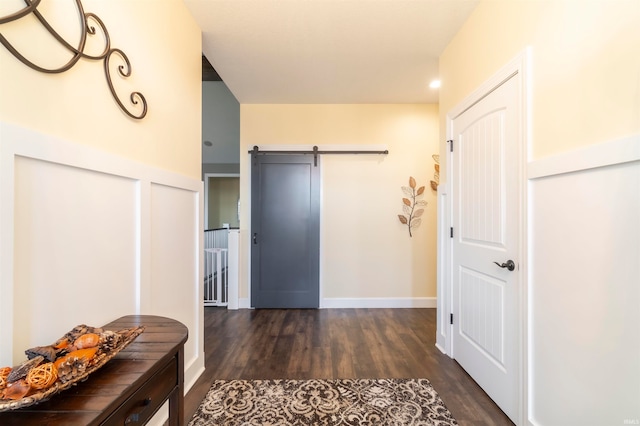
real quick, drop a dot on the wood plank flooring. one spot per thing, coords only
(337, 343)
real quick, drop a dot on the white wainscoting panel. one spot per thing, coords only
(584, 287)
(175, 244)
(73, 250)
(87, 237)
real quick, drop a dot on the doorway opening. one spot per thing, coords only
(222, 200)
(483, 323)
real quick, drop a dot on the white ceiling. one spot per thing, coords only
(328, 51)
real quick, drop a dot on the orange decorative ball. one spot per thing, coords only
(42, 376)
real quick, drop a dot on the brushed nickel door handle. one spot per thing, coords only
(509, 264)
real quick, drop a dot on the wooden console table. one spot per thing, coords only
(127, 390)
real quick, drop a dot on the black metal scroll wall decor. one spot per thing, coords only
(88, 22)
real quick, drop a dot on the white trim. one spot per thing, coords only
(444, 302)
(192, 380)
(378, 302)
(520, 65)
(24, 142)
(234, 269)
(604, 154)
(525, 153)
(321, 240)
(246, 206)
(512, 68)
(7, 196)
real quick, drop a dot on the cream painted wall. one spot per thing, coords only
(585, 66)
(223, 196)
(365, 251)
(164, 46)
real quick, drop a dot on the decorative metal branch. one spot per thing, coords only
(411, 216)
(436, 176)
(88, 22)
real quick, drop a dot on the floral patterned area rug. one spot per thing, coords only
(398, 402)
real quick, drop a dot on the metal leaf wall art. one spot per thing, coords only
(136, 107)
(436, 176)
(412, 207)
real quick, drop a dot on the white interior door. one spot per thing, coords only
(486, 228)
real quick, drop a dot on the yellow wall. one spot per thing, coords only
(366, 252)
(223, 201)
(163, 44)
(585, 66)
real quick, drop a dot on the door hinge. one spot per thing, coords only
(450, 142)
(451, 232)
(451, 319)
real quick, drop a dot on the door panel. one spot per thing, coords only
(486, 213)
(285, 232)
(482, 181)
(481, 308)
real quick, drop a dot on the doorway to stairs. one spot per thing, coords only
(222, 200)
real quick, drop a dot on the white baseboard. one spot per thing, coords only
(378, 302)
(192, 381)
(368, 302)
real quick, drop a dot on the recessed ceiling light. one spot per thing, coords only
(434, 84)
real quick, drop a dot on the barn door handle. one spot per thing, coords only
(509, 264)
(255, 238)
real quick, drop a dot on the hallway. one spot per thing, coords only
(337, 343)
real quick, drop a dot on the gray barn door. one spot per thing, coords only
(285, 231)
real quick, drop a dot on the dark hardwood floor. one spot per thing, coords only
(337, 343)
